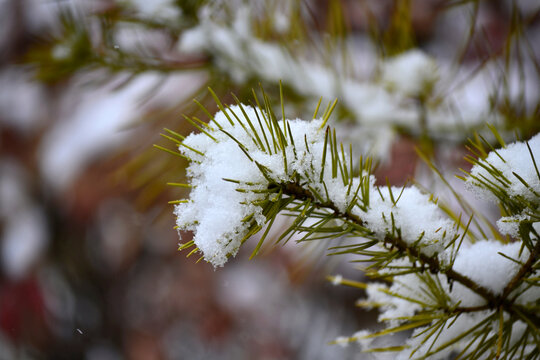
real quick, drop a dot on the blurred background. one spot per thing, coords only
(89, 266)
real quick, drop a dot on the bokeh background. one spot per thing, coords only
(89, 266)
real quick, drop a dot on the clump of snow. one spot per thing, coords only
(483, 263)
(414, 217)
(216, 209)
(409, 294)
(282, 22)
(243, 56)
(463, 295)
(512, 177)
(61, 51)
(514, 158)
(509, 225)
(342, 341)
(412, 73)
(363, 339)
(392, 307)
(192, 40)
(376, 106)
(336, 280)
(135, 38)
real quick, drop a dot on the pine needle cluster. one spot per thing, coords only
(453, 293)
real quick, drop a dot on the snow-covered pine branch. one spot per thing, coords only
(478, 299)
(380, 95)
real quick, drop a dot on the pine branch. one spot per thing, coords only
(525, 270)
(303, 171)
(433, 263)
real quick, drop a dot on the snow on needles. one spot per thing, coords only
(377, 101)
(413, 217)
(412, 73)
(511, 175)
(228, 184)
(483, 263)
(242, 156)
(216, 209)
(514, 159)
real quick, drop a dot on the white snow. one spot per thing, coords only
(94, 128)
(482, 263)
(23, 242)
(412, 73)
(93, 123)
(363, 339)
(216, 208)
(337, 279)
(391, 307)
(156, 9)
(377, 102)
(418, 219)
(24, 234)
(23, 101)
(509, 225)
(514, 158)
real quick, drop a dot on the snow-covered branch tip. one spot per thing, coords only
(247, 167)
